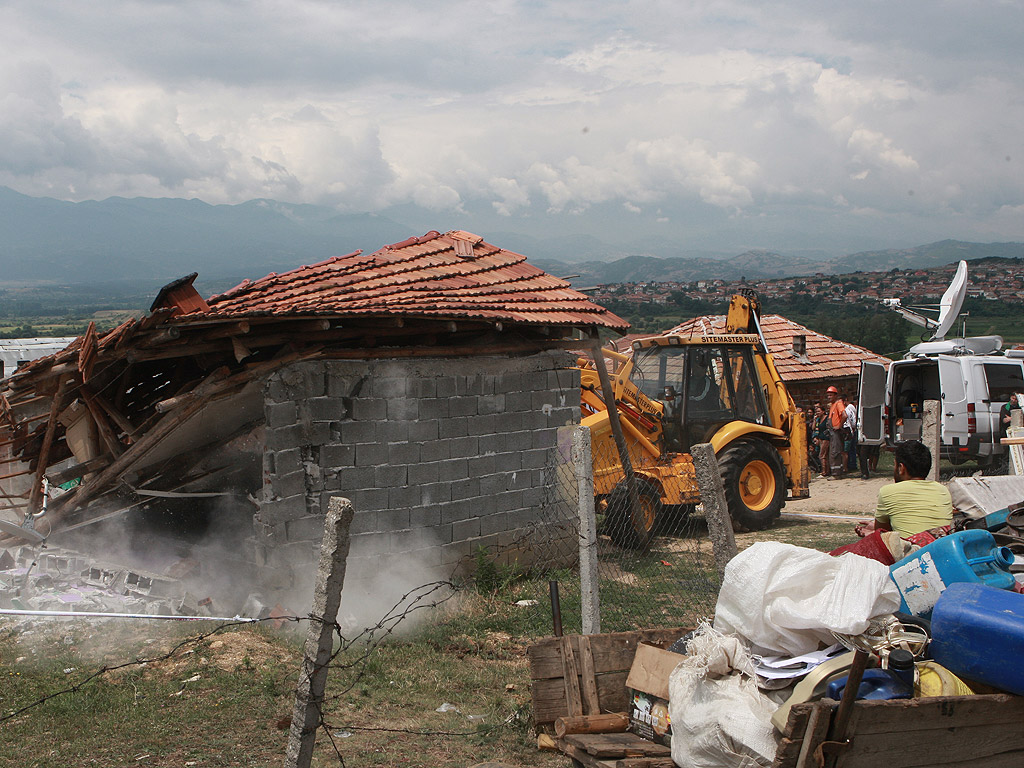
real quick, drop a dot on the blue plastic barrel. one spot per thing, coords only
(965, 556)
(978, 634)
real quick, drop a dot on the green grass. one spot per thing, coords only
(224, 700)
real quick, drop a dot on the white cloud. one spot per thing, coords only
(794, 111)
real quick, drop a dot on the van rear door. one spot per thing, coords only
(871, 399)
(954, 423)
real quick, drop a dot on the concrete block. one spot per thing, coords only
(405, 409)
(435, 450)
(463, 406)
(392, 519)
(545, 438)
(508, 462)
(425, 516)
(389, 388)
(490, 444)
(535, 458)
(495, 522)
(285, 461)
(465, 489)
(433, 408)
(483, 425)
(281, 414)
(490, 404)
(339, 385)
(541, 398)
(317, 433)
(446, 387)
(518, 401)
(518, 441)
(290, 484)
(456, 426)
(338, 455)
(403, 497)
(393, 431)
(435, 493)
(532, 497)
(369, 409)
(491, 485)
(309, 528)
(285, 509)
(328, 408)
(403, 453)
(466, 529)
(369, 499)
(364, 522)
(422, 431)
(369, 454)
(508, 501)
(452, 469)
(413, 540)
(390, 475)
(462, 447)
(422, 474)
(478, 466)
(282, 438)
(458, 509)
(421, 388)
(355, 478)
(444, 534)
(358, 431)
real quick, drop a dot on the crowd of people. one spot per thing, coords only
(833, 446)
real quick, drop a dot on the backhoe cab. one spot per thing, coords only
(676, 391)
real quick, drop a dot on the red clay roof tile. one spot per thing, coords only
(456, 274)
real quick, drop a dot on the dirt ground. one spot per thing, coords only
(849, 496)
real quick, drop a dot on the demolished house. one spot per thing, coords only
(427, 382)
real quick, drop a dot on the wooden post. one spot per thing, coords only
(35, 499)
(330, 579)
(930, 434)
(716, 508)
(589, 595)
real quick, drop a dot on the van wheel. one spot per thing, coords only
(633, 528)
(755, 484)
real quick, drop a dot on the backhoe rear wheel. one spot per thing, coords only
(633, 528)
(755, 484)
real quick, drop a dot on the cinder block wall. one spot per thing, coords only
(439, 457)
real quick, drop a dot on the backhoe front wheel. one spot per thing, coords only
(629, 527)
(755, 483)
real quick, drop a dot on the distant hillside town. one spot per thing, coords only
(993, 279)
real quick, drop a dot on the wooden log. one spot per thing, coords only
(615, 722)
(78, 470)
(99, 417)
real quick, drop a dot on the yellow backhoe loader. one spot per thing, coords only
(676, 391)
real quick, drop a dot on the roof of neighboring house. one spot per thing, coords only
(456, 275)
(826, 357)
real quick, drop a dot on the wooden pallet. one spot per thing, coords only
(982, 731)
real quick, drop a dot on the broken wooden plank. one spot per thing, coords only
(570, 675)
(589, 677)
(114, 446)
(612, 745)
(35, 498)
(78, 470)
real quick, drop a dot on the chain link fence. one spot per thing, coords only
(654, 563)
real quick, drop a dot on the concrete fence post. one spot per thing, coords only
(716, 508)
(589, 595)
(932, 418)
(330, 579)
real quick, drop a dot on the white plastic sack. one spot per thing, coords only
(784, 599)
(719, 717)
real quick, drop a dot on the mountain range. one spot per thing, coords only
(159, 239)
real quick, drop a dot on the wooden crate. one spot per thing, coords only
(587, 675)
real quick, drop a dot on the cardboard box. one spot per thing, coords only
(648, 689)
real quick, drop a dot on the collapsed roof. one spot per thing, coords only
(142, 412)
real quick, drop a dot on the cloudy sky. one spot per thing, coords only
(721, 124)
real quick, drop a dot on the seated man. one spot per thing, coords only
(912, 504)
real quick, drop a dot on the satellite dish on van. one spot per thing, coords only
(948, 308)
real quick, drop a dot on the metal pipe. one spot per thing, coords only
(99, 615)
(556, 608)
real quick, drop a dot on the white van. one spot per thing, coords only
(969, 377)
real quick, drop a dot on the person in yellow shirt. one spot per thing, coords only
(913, 503)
